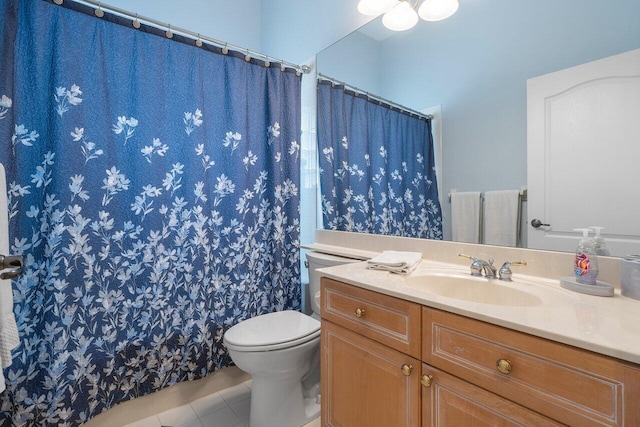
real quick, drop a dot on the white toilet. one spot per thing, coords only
(281, 351)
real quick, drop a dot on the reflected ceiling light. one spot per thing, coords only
(402, 17)
(375, 7)
(437, 10)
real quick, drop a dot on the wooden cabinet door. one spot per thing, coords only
(363, 383)
(452, 402)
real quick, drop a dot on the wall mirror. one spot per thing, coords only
(475, 65)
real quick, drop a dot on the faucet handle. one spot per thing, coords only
(476, 264)
(505, 271)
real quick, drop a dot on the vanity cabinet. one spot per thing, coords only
(369, 359)
(567, 384)
(390, 362)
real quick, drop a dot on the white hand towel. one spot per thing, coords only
(395, 261)
(465, 216)
(8, 330)
(502, 217)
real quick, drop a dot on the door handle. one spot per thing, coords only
(13, 265)
(536, 223)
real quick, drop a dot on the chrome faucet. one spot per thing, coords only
(488, 268)
(505, 270)
(479, 266)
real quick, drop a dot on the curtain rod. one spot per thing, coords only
(198, 38)
(374, 97)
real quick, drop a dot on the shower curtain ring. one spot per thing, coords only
(247, 57)
(98, 12)
(136, 23)
(198, 41)
(282, 66)
(267, 63)
(169, 33)
(225, 49)
(58, 2)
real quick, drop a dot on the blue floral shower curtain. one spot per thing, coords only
(153, 191)
(377, 169)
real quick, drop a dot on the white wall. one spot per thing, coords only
(237, 22)
(295, 30)
(354, 59)
(292, 30)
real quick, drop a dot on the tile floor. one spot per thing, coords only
(226, 408)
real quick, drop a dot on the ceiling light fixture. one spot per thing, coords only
(400, 15)
(437, 10)
(375, 7)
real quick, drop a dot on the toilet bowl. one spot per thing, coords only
(281, 351)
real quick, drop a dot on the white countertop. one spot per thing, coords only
(606, 325)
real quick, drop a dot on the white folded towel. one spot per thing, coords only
(8, 330)
(465, 216)
(395, 261)
(502, 218)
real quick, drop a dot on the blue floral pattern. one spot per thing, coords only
(377, 170)
(148, 225)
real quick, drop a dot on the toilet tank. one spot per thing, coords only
(316, 260)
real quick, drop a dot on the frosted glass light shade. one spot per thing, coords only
(375, 7)
(437, 10)
(402, 17)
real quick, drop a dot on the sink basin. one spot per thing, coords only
(471, 288)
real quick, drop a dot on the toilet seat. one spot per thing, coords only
(272, 331)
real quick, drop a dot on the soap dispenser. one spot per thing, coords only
(586, 261)
(601, 245)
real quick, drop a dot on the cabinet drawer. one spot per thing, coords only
(388, 320)
(567, 384)
(450, 401)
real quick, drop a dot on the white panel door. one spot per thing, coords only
(583, 154)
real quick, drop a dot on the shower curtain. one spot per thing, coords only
(377, 169)
(153, 192)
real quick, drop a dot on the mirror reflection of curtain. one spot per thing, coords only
(154, 194)
(377, 169)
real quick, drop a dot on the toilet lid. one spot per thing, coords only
(272, 328)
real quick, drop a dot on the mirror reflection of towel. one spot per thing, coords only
(8, 330)
(502, 217)
(465, 216)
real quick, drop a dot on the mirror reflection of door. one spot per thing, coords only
(583, 133)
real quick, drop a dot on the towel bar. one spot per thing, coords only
(523, 194)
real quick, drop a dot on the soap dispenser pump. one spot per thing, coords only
(601, 245)
(586, 261)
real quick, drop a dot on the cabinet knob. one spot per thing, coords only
(426, 380)
(359, 312)
(504, 365)
(406, 370)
